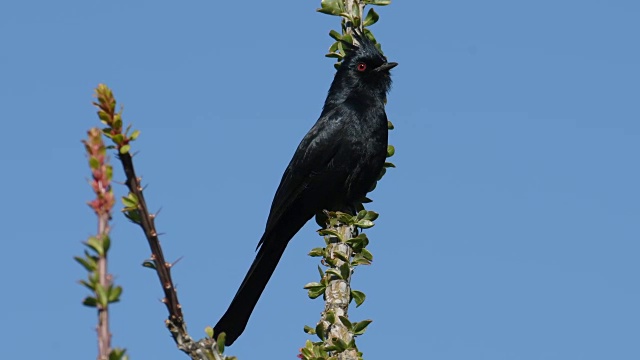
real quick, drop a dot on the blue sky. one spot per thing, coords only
(508, 231)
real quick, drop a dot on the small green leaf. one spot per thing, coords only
(359, 259)
(321, 331)
(125, 149)
(331, 232)
(340, 344)
(130, 201)
(316, 252)
(390, 125)
(149, 264)
(365, 224)
(340, 255)
(372, 18)
(389, 165)
(348, 39)
(360, 327)
(309, 330)
(331, 7)
(220, 342)
(209, 331)
(95, 245)
(390, 151)
(114, 294)
(336, 273)
(118, 138)
(334, 55)
(331, 317)
(106, 243)
(345, 270)
(94, 163)
(371, 215)
(134, 135)
(315, 289)
(335, 35)
(118, 354)
(378, 2)
(346, 322)
(89, 264)
(358, 297)
(367, 255)
(103, 299)
(90, 301)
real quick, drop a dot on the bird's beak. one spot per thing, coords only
(387, 66)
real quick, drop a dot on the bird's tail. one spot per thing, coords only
(235, 319)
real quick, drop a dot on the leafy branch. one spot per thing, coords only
(136, 210)
(352, 16)
(99, 281)
(345, 245)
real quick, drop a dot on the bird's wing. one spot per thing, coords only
(309, 165)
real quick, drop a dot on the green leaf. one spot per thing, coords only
(106, 243)
(390, 125)
(378, 2)
(390, 151)
(348, 39)
(316, 252)
(134, 135)
(130, 201)
(125, 149)
(87, 285)
(331, 7)
(331, 232)
(335, 35)
(209, 331)
(90, 301)
(340, 255)
(103, 299)
(365, 224)
(367, 255)
(118, 354)
(336, 273)
(389, 165)
(89, 264)
(346, 322)
(220, 342)
(315, 289)
(321, 331)
(345, 270)
(359, 259)
(118, 138)
(358, 297)
(341, 344)
(371, 215)
(309, 330)
(114, 294)
(94, 163)
(331, 317)
(95, 245)
(149, 264)
(133, 216)
(360, 327)
(320, 271)
(372, 18)
(334, 55)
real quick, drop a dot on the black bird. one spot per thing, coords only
(333, 168)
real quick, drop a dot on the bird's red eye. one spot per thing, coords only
(362, 67)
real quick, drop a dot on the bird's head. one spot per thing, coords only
(364, 70)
